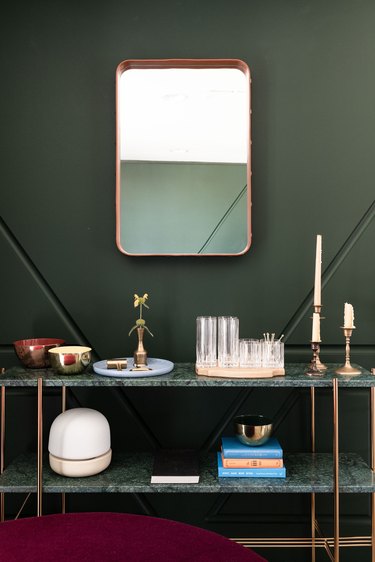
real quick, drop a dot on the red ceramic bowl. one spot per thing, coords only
(33, 353)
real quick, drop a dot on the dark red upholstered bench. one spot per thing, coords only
(114, 537)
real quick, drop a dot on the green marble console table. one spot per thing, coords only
(310, 472)
(184, 375)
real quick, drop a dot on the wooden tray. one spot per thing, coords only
(239, 372)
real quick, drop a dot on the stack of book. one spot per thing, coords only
(243, 461)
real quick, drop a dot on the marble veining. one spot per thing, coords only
(183, 375)
(131, 472)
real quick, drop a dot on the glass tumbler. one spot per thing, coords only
(278, 355)
(206, 341)
(273, 354)
(228, 341)
(250, 353)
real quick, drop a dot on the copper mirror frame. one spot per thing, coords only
(128, 223)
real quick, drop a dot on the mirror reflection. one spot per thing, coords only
(183, 165)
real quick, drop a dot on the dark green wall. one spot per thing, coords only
(313, 133)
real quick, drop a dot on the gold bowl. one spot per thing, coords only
(33, 353)
(70, 359)
(252, 430)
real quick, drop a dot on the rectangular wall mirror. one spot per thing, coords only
(183, 166)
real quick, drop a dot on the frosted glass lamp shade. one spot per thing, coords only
(79, 442)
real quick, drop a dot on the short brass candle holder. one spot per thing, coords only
(319, 364)
(313, 370)
(347, 369)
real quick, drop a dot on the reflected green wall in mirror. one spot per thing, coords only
(184, 208)
(183, 157)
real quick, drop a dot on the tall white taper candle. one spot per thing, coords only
(316, 328)
(318, 271)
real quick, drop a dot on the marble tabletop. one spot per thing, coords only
(183, 375)
(131, 472)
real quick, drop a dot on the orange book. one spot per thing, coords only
(251, 463)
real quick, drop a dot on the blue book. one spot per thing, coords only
(249, 472)
(233, 449)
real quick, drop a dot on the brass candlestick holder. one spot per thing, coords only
(319, 364)
(313, 370)
(347, 369)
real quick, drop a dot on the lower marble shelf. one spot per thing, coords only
(131, 472)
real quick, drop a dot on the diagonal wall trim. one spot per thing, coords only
(145, 504)
(217, 431)
(293, 397)
(127, 405)
(222, 220)
(330, 270)
(41, 282)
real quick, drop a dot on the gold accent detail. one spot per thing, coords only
(347, 369)
(313, 370)
(297, 542)
(326, 544)
(319, 364)
(118, 364)
(312, 496)
(63, 398)
(22, 506)
(40, 447)
(140, 354)
(336, 507)
(63, 409)
(372, 436)
(2, 450)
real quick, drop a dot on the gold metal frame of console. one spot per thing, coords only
(330, 544)
(317, 540)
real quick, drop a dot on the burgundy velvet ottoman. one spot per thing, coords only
(114, 537)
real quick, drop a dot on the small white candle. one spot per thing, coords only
(316, 328)
(348, 316)
(318, 271)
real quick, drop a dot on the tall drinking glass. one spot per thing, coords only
(206, 341)
(228, 341)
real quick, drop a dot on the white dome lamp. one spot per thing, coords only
(79, 443)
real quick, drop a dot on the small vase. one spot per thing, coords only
(140, 354)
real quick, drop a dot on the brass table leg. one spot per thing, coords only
(2, 450)
(336, 509)
(372, 434)
(313, 511)
(63, 408)
(40, 447)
